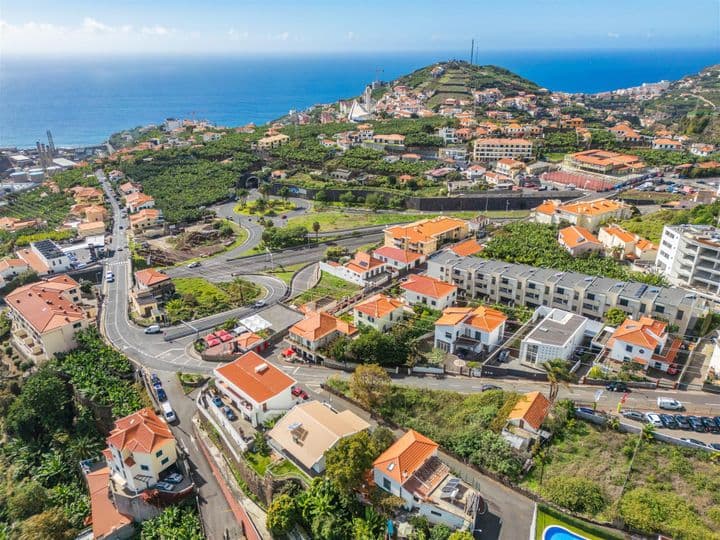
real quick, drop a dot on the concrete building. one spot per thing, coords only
(410, 469)
(622, 244)
(426, 236)
(525, 421)
(273, 141)
(587, 214)
(379, 312)
(138, 200)
(11, 268)
(645, 342)
(689, 256)
(495, 149)
(45, 257)
(434, 293)
(309, 430)
(477, 330)
(557, 335)
(604, 162)
(146, 220)
(578, 240)
(363, 269)
(518, 284)
(398, 259)
(315, 331)
(255, 387)
(46, 315)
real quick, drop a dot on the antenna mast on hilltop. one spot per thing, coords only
(472, 50)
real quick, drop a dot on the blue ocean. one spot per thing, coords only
(84, 100)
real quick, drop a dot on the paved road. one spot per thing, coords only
(304, 279)
(144, 350)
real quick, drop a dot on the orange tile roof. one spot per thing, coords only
(362, 262)
(378, 306)
(150, 214)
(483, 318)
(33, 260)
(620, 233)
(127, 187)
(641, 333)
(43, 305)
(645, 245)
(318, 324)
(667, 142)
(396, 254)
(428, 286)
(593, 208)
(248, 339)
(105, 517)
(467, 248)
(520, 142)
(512, 163)
(605, 158)
(532, 408)
(149, 277)
(137, 198)
(405, 456)
(424, 230)
(575, 236)
(142, 431)
(548, 207)
(6, 264)
(255, 376)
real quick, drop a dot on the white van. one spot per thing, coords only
(153, 329)
(669, 404)
(168, 412)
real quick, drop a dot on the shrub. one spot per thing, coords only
(575, 493)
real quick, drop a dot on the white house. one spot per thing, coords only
(399, 259)
(426, 290)
(411, 470)
(256, 388)
(310, 429)
(623, 244)
(468, 329)
(578, 240)
(525, 421)
(379, 312)
(643, 342)
(315, 331)
(361, 269)
(140, 448)
(557, 335)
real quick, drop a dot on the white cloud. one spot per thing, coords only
(283, 36)
(350, 36)
(234, 35)
(156, 30)
(94, 26)
(613, 35)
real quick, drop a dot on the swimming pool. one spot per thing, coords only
(556, 532)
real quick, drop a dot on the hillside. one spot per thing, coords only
(691, 105)
(460, 78)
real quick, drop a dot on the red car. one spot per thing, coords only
(673, 370)
(299, 392)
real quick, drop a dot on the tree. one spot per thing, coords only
(264, 189)
(615, 316)
(316, 229)
(284, 193)
(349, 460)
(347, 198)
(321, 196)
(43, 407)
(49, 525)
(282, 515)
(375, 201)
(440, 532)
(370, 385)
(27, 499)
(174, 522)
(575, 493)
(437, 356)
(260, 445)
(460, 535)
(558, 374)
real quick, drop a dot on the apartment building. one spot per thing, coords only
(517, 284)
(509, 167)
(272, 141)
(46, 315)
(587, 214)
(494, 149)
(603, 162)
(45, 257)
(689, 256)
(426, 236)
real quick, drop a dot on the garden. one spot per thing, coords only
(328, 288)
(196, 297)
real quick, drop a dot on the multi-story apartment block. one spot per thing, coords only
(494, 149)
(588, 214)
(590, 296)
(603, 162)
(426, 236)
(689, 255)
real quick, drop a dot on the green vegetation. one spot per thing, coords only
(286, 273)
(47, 432)
(329, 287)
(536, 244)
(25, 239)
(181, 522)
(650, 226)
(670, 490)
(280, 238)
(264, 207)
(197, 297)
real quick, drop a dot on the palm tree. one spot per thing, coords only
(264, 189)
(558, 374)
(316, 229)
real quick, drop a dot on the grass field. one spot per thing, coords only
(270, 207)
(287, 272)
(328, 287)
(547, 517)
(335, 220)
(197, 297)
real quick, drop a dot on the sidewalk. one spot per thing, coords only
(249, 515)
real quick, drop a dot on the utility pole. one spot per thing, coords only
(472, 50)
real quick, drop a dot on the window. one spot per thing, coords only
(679, 315)
(164, 461)
(77, 325)
(623, 302)
(659, 309)
(434, 513)
(158, 453)
(144, 468)
(628, 348)
(448, 335)
(387, 485)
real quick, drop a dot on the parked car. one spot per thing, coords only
(682, 421)
(168, 412)
(503, 356)
(110, 279)
(154, 378)
(194, 264)
(174, 478)
(715, 446)
(162, 396)
(669, 404)
(693, 441)
(654, 420)
(709, 424)
(218, 402)
(586, 410)
(673, 370)
(696, 424)
(164, 486)
(717, 421)
(617, 386)
(153, 329)
(634, 415)
(668, 421)
(157, 385)
(259, 304)
(229, 414)
(486, 387)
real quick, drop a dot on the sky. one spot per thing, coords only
(92, 27)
